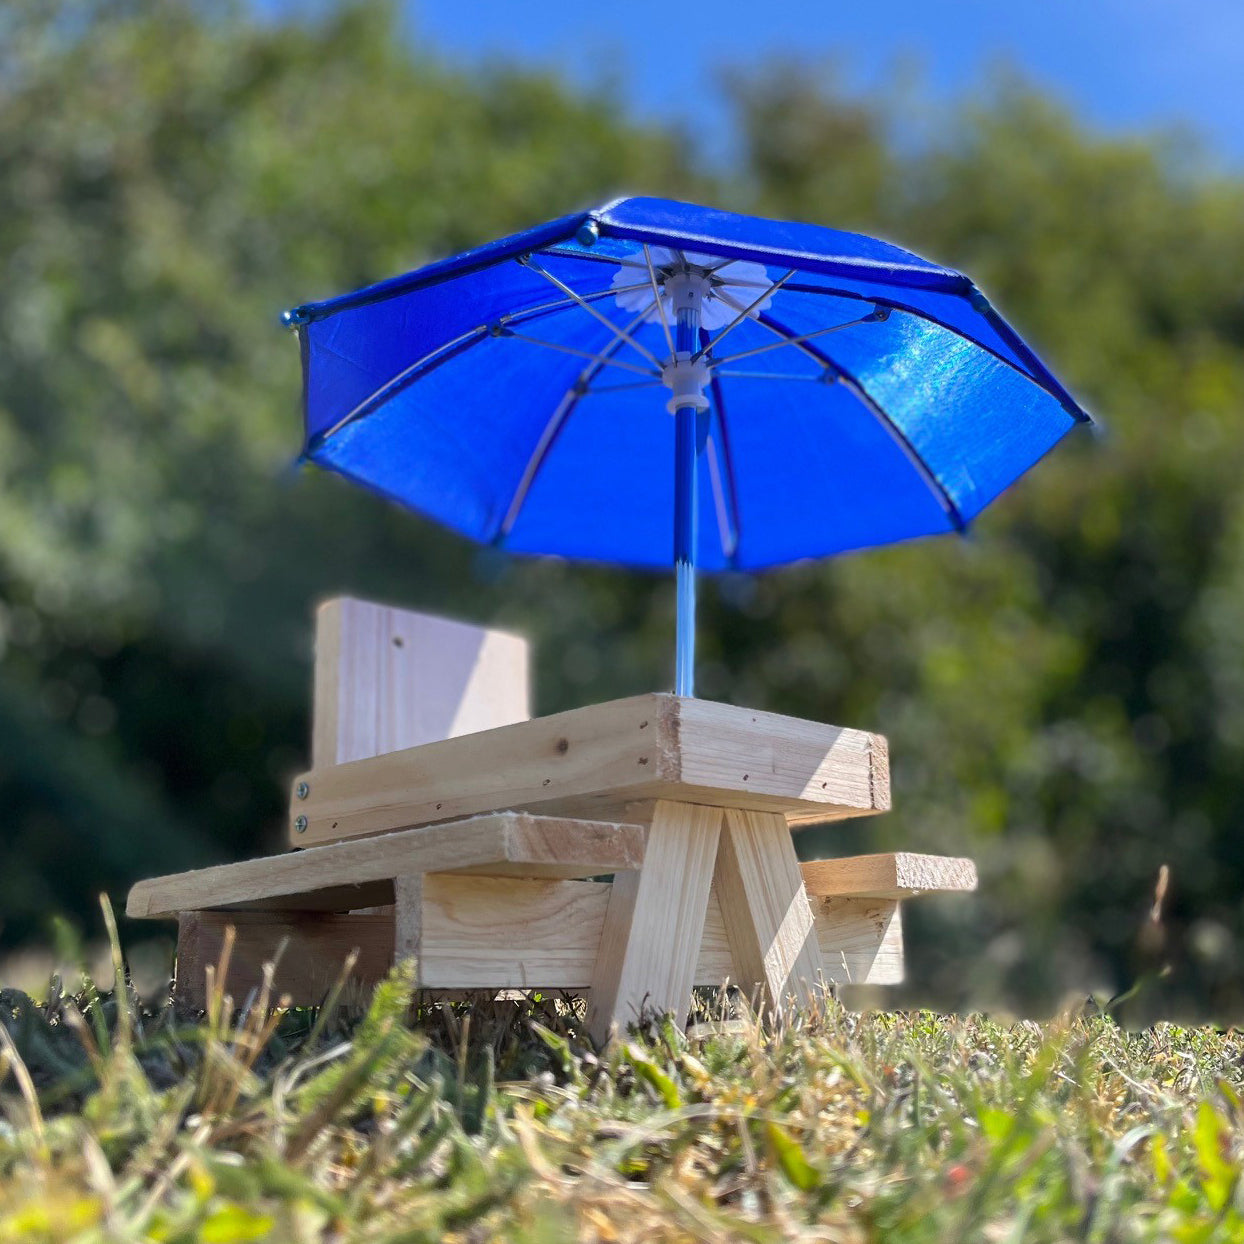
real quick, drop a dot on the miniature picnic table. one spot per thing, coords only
(480, 855)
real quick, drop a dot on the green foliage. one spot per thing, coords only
(1062, 691)
(174, 176)
(851, 1127)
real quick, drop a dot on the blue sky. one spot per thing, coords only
(1123, 65)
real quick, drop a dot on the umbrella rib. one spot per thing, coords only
(407, 373)
(719, 404)
(608, 259)
(554, 426)
(895, 305)
(846, 378)
(724, 533)
(562, 303)
(441, 354)
(656, 294)
(531, 263)
(584, 354)
(622, 388)
(786, 340)
(769, 375)
(742, 315)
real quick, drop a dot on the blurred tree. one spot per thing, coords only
(174, 175)
(1063, 690)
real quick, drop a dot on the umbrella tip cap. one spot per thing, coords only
(294, 317)
(588, 233)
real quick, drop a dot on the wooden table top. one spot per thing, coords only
(595, 762)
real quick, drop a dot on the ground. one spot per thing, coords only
(498, 1121)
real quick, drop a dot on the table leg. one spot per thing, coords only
(408, 920)
(768, 918)
(651, 939)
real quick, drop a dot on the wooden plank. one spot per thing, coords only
(768, 919)
(409, 894)
(499, 934)
(608, 747)
(656, 968)
(486, 933)
(495, 934)
(900, 874)
(387, 679)
(861, 940)
(762, 756)
(317, 946)
(609, 955)
(350, 875)
(593, 762)
(326, 685)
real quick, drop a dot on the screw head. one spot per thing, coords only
(300, 824)
(302, 790)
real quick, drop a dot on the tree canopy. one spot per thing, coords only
(1063, 690)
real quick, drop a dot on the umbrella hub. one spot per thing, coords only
(687, 288)
(686, 381)
(686, 375)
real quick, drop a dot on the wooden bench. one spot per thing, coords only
(475, 840)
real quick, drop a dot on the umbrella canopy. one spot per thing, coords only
(830, 391)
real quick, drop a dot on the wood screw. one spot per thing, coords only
(302, 790)
(300, 824)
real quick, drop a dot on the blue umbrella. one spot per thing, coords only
(654, 382)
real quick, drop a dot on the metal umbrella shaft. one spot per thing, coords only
(688, 380)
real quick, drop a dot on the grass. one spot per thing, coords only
(497, 1121)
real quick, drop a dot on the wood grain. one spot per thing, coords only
(593, 762)
(315, 951)
(510, 934)
(409, 895)
(350, 875)
(493, 933)
(610, 954)
(861, 940)
(658, 949)
(900, 874)
(759, 757)
(768, 919)
(497, 934)
(387, 679)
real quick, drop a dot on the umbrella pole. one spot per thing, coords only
(685, 507)
(688, 381)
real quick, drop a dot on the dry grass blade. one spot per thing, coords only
(15, 1065)
(827, 1126)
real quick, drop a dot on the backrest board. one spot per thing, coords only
(387, 679)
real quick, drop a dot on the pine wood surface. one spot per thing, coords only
(387, 679)
(593, 762)
(899, 874)
(498, 934)
(768, 920)
(315, 948)
(649, 961)
(347, 876)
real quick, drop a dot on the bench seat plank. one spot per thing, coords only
(897, 875)
(350, 875)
